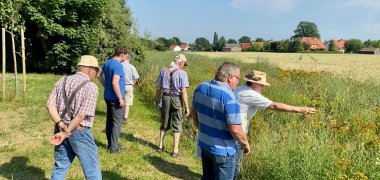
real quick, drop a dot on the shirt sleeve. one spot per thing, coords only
(52, 101)
(255, 99)
(135, 74)
(184, 80)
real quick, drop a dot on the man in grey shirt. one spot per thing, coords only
(131, 76)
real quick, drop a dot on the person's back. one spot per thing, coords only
(216, 114)
(71, 106)
(130, 72)
(112, 78)
(211, 100)
(110, 68)
(131, 76)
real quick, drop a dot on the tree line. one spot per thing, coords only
(293, 44)
(57, 33)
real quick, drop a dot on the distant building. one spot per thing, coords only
(232, 48)
(260, 44)
(174, 48)
(339, 45)
(184, 47)
(369, 51)
(245, 45)
(315, 43)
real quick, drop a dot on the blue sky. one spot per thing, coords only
(268, 19)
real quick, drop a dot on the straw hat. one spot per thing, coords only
(257, 77)
(89, 61)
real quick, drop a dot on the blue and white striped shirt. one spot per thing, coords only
(217, 108)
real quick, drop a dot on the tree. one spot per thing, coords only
(232, 41)
(332, 46)
(11, 20)
(245, 39)
(374, 43)
(353, 45)
(172, 42)
(202, 44)
(215, 43)
(259, 40)
(255, 48)
(59, 32)
(179, 42)
(306, 29)
(367, 43)
(222, 43)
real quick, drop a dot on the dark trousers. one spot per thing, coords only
(114, 121)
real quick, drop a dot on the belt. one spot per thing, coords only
(170, 94)
(129, 84)
(81, 128)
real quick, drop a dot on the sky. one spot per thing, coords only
(267, 19)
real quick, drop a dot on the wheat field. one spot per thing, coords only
(355, 66)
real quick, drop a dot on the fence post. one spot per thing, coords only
(23, 59)
(3, 58)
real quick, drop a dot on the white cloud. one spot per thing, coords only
(263, 5)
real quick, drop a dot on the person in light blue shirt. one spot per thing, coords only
(216, 114)
(172, 84)
(131, 76)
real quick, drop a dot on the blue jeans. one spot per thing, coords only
(115, 117)
(217, 167)
(81, 144)
(239, 160)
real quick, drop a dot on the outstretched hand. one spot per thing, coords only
(58, 138)
(308, 110)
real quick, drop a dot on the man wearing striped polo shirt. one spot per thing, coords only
(216, 114)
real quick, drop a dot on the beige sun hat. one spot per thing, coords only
(180, 58)
(89, 61)
(257, 77)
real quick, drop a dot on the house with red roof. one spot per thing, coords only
(184, 47)
(315, 43)
(339, 45)
(245, 45)
(174, 48)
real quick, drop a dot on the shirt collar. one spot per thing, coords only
(82, 75)
(219, 83)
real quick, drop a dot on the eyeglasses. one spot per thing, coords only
(235, 76)
(95, 69)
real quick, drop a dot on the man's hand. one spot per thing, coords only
(58, 138)
(246, 149)
(62, 127)
(121, 102)
(187, 112)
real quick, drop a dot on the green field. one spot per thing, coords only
(356, 66)
(341, 141)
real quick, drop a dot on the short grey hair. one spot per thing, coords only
(227, 68)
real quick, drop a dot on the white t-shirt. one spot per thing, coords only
(250, 101)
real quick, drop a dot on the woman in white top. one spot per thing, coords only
(250, 100)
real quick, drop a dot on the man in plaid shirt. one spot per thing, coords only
(72, 129)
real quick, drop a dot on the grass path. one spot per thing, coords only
(25, 152)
